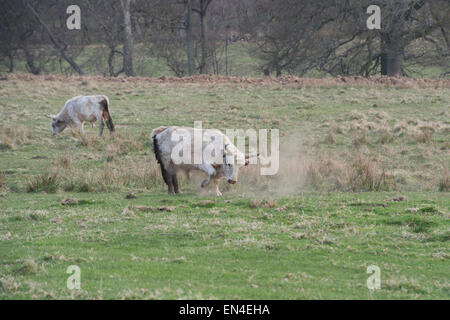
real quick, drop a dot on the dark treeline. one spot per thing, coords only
(194, 36)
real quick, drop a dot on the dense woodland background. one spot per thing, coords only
(227, 37)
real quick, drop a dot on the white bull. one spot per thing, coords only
(225, 163)
(79, 109)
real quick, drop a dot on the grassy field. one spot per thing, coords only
(363, 180)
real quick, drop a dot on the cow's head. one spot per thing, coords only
(232, 161)
(58, 125)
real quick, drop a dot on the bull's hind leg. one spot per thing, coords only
(101, 125)
(175, 183)
(167, 179)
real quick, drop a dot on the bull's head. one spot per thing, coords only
(233, 160)
(58, 125)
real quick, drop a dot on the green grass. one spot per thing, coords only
(317, 247)
(300, 235)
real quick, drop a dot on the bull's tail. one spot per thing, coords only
(105, 113)
(157, 151)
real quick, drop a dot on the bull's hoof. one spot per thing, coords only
(218, 194)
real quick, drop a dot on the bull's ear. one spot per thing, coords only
(60, 121)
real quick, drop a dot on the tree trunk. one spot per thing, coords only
(226, 52)
(277, 69)
(127, 40)
(30, 62)
(112, 52)
(189, 37)
(203, 36)
(11, 63)
(391, 64)
(391, 55)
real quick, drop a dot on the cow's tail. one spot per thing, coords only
(157, 151)
(105, 113)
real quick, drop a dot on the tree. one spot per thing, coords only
(188, 24)
(287, 31)
(405, 26)
(127, 39)
(108, 18)
(201, 9)
(297, 36)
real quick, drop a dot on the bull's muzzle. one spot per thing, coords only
(231, 181)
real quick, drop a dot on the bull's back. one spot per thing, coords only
(84, 107)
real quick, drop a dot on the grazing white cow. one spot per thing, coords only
(226, 163)
(80, 109)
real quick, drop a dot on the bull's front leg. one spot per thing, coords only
(209, 170)
(79, 126)
(216, 184)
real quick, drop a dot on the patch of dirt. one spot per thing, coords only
(283, 80)
(397, 199)
(69, 202)
(166, 208)
(364, 204)
(145, 208)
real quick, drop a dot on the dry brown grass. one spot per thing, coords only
(262, 204)
(359, 137)
(64, 162)
(45, 182)
(113, 176)
(122, 146)
(444, 181)
(11, 136)
(384, 135)
(330, 137)
(424, 135)
(365, 175)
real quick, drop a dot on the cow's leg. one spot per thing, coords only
(175, 183)
(167, 177)
(170, 186)
(101, 125)
(79, 126)
(216, 185)
(209, 170)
